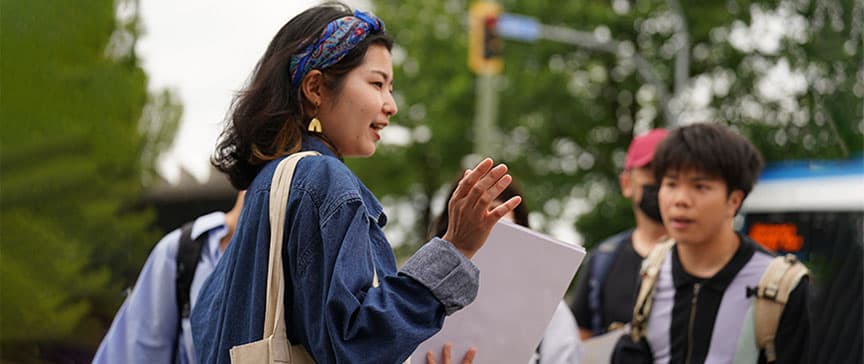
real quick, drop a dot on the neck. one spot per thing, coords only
(646, 235)
(231, 224)
(706, 259)
(223, 243)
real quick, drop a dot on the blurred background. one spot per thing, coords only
(110, 110)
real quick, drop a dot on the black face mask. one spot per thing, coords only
(649, 204)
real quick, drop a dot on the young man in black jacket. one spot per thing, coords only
(702, 303)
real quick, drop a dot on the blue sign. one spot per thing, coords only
(518, 27)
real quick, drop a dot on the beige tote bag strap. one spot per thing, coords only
(274, 316)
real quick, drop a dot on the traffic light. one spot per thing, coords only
(484, 44)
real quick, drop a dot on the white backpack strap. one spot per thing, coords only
(772, 294)
(649, 273)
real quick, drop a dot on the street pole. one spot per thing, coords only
(486, 114)
(484, 59)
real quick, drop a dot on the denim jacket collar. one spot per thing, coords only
(373, 206)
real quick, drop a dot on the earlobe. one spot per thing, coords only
(735, 199)
(624, 181)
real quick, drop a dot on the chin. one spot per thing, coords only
(362, 153)
(680, 238)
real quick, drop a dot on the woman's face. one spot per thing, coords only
(352, 118)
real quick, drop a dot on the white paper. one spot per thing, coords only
(523, 276)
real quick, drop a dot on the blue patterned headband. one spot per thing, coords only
(339, 38)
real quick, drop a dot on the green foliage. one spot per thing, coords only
(566, 113)
(72, 98)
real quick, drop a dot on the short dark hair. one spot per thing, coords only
(520, 213)
(714, 149)
(268, 117)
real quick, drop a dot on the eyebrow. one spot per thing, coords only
(382, 73)
(697, 178)
(702, 179)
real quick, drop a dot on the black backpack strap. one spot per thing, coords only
(188, 254)
(601, 262)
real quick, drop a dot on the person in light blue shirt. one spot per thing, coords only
(145, 328)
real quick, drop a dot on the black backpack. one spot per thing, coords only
(188, 254)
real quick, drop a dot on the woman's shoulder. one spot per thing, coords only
(332, 184)
(324, 174)
(312, 172)
(326, 181)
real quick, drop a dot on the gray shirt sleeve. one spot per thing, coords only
(450, 275)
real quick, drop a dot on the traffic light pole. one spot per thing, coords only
(485, 115)
(484, 59)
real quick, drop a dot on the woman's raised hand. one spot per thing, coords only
(471, 218)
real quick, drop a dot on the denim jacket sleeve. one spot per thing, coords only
(340, 316)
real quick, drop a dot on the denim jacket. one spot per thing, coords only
(333, 239)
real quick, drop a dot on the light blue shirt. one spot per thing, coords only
(145, 328)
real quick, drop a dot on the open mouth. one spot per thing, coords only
(680, 222)
(376, 129)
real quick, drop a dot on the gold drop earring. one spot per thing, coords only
(315, 125)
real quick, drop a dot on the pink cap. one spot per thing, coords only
(641, 150)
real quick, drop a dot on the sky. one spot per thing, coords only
(204, 51)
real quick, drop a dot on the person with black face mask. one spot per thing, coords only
(606, 289)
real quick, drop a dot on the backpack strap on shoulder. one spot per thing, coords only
(775, 286)
(188, 254)
(649, 273)
(601, 262)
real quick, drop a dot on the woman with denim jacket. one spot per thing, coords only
(325, 85)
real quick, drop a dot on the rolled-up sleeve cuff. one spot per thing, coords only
(449, 275)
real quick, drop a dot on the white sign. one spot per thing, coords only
(523, 276)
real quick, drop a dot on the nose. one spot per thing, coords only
(680, 198)
(390, 109)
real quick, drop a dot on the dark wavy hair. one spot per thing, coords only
(520, 214)
(268, 117)
(713, 149)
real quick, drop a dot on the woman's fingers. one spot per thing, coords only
(492, 193)
(505, 208)
(484, 184)
(445, 353)
(430, 358)
(469, 356)
(471, 178)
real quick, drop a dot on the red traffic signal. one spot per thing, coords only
(484, 43)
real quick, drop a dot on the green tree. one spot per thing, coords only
(568, 111)
(72, 160)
